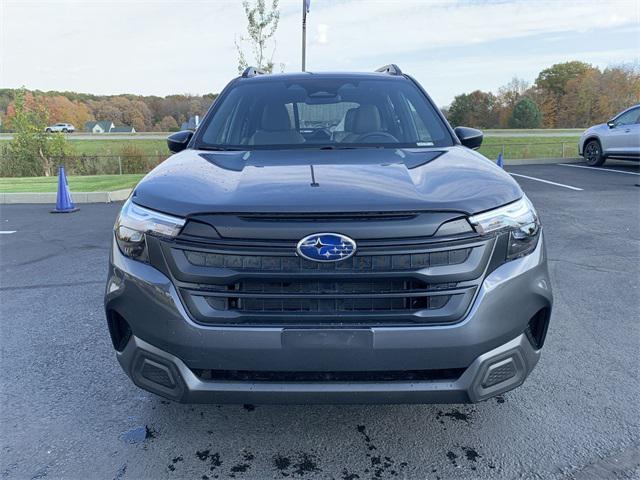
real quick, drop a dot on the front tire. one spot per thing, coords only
(64, 130)
(48, 130)
(593, 153)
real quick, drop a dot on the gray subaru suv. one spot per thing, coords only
(327, 238)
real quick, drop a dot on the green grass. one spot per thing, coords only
(529, 147)
(515, 147)
(95, 183)
(112, 146)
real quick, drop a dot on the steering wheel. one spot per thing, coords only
(322, 134)
(372, 135)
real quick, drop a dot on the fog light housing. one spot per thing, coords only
(499, 372)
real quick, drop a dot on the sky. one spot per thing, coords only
(162, 47)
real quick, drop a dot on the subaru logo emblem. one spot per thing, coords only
(326, 247)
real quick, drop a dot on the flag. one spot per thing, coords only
(307, 5)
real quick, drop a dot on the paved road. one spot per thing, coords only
(69, 412)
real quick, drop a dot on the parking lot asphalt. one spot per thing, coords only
(68, 411)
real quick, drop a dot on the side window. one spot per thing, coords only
(628, 118)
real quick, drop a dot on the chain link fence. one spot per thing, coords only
(105, 164)
(140, 163)
(538, 150)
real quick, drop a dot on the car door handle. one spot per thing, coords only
(627, 130)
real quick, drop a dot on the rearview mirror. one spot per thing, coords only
(178, 141)
(469, 137)
(611, 124)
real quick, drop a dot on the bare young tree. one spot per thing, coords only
(261, 27)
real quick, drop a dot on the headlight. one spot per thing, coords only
(134, 222)
(519, 219)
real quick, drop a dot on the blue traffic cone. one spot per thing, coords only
(64, 203)
(500, 161)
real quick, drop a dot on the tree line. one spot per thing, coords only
(144, 113)
(565, 95)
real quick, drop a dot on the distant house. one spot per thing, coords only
(99, 127)
(192, 124)
(107, 127)
(123, 129)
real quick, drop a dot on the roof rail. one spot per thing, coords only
(251, 72)
(391, 69)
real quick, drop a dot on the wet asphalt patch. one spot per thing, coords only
(137, 434)
(454, 414)
(381, 466)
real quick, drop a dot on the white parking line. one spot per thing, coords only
(600, 169)
(7, 232)
(547, 181)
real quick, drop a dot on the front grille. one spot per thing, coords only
(385, 376)
(234, 283)
(357, 263)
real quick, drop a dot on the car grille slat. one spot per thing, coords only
(273, 263)
(328, 305)
(425, 284)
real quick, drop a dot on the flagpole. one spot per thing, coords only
(304, 33)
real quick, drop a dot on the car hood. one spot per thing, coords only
(600, 128)
(326, 181)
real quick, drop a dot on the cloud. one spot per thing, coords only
(172, 46)
(322, 34)
(367, 28)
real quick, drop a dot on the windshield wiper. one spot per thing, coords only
(336, 147)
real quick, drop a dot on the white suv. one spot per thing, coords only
(61, 127)
(618, 138)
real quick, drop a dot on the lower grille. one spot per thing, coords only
(390, 376)
(258, 296)
(329, 305)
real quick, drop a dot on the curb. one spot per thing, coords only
(78, 197)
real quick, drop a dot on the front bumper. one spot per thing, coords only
(164, 374)
(491, 345)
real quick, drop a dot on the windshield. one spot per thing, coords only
(326, 112)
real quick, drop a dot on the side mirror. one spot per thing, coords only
(611, 124)
(178, 141)
(469, 137)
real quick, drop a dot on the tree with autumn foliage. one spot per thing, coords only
(167, 124)
(565, 95)
(31, 151)
(552, 85)
(508, 96)
(476, 109)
